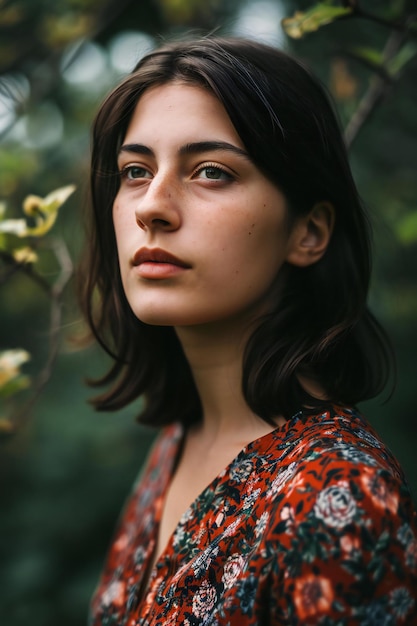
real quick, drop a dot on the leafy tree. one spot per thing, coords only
(65, 473)
(42, 212)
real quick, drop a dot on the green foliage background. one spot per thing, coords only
(66, 471)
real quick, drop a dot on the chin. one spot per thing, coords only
(154, 319)
(162, 318)
(169, 318)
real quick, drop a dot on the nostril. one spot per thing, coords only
(160, 222)
(155, 222)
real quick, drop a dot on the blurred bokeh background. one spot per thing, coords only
(65, 470)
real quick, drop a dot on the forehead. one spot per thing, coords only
(178, 109)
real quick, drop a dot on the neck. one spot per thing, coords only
(215, 358)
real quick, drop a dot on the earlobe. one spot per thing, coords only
(311, 235)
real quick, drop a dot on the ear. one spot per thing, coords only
(311, 235)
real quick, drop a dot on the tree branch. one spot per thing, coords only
(403, 26)
(56, 292)
(377, 91)
(374, 95)
(25, 268)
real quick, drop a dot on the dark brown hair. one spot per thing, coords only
(320, 325)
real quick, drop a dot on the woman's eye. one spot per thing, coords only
(212, 172)
(135, 172)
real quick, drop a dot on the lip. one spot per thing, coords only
(157, 255)
(157, 263)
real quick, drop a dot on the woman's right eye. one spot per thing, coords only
(134, 172)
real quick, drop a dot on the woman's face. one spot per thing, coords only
(201, 233)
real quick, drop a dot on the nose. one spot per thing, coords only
(159, 207)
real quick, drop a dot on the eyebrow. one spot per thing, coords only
(197, 147)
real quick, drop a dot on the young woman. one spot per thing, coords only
(227, 275)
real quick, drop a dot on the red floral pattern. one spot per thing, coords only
(310, 524)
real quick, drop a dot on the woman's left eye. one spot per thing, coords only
(212, 172)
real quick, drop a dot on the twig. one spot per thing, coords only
(25, 268)
(378, 89)
(374, 95)
(56, 292)
(401, 26)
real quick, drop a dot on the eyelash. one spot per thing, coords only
(125, 171)
(214, 166)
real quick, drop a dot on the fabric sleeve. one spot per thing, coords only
(346, 545)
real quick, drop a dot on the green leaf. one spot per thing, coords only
(406, 54)
(407, 228)
(43, 211)
(371, 56)
(374, 59)
(50, 204)
(313, 19)
(19, 383)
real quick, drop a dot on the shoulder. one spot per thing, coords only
(339, 435)
(335, 462)
(344, 523)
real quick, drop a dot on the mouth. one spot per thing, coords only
(157, 263)
(157, 255)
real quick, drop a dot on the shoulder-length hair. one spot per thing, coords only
(320, 326)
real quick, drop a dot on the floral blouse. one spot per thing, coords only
(310, 524)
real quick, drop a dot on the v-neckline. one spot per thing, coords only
(177, 443)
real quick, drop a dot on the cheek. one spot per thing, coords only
(116, 217)
(122, 224)
(251, 257)
(253, 239)
(118, 214)
(266, 238)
